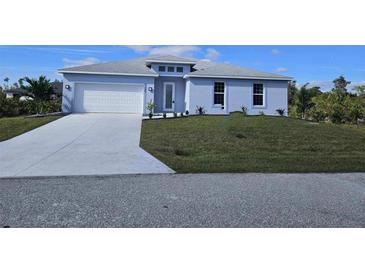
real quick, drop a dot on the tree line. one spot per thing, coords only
(337, 106)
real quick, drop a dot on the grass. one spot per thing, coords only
(14, 126)
(237, 143)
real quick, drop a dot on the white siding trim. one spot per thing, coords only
(263, 106)
(237, 77)
(106, 73)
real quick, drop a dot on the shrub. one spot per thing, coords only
(28, 107)
(186, 112)
(150, 106)
(293, 112)
(14, 107)
(200, 110)
(51, 106)
(244, 110)
(182, 114)
(337, 114)
(164, 115)
(337, 108)
(317, 114)
(354, 109)
(150, 115)
(8, 106)
(281, 111)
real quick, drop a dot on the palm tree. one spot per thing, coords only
(304, 98)
(6, 80)
(40, 90)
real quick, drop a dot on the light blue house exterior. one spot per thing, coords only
(173, 84)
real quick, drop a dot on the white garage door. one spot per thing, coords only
(123, 98)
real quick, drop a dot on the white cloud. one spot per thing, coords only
(140, 48)
(80, 62)
(211, 54)
(323, 84)
(326, 85)
(175, 50)
(74, 51)
(275, 51)
(186, 51)
(281, 70)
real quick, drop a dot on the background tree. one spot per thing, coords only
(20, 82)
(6, 83)
(340, 84)
(303, 99)
(38, 89)
(292, 91)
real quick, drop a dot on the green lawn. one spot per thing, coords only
(13, 126)
(254, 144)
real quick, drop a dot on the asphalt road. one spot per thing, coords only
(185, 200)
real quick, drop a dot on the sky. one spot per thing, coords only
(317, 65)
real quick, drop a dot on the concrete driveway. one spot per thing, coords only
(80, 144)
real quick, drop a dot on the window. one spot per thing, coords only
(219, 93)
(258, 94)
(170, 69)
(179, 69)
(161, 68)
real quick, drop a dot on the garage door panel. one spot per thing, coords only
(109, 98)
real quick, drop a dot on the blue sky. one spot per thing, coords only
(318, 65)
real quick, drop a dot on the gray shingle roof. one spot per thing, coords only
(227, 71)
(170, 59)
(203, 68)
(203, 65)
(134, 67)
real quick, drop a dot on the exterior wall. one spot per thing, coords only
(187, 94)
(179, 93)
(238, 93)
(201, 94)
(72, 79)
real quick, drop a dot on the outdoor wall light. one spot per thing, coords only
(67, 87)
(150, 89)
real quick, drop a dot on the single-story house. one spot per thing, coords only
(173, 84)
(14, 92)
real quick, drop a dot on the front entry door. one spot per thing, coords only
(169, 96)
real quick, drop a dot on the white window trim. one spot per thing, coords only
(263, 96)
(224, 94)
(158, 68)
(179, 67)
(164, 96)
